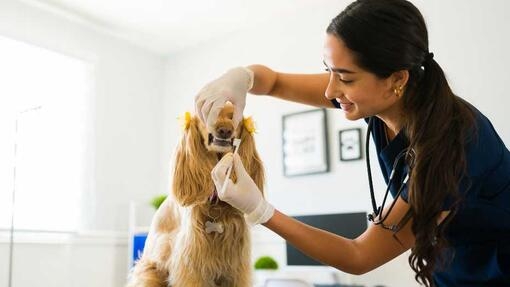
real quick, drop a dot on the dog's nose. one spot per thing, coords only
(224, 132)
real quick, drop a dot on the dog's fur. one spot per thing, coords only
(178, 251)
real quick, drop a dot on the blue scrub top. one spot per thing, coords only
(479, 233)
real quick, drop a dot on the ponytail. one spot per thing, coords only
(436, 126)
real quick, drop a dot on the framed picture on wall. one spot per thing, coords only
(305, 143)
(350, 144)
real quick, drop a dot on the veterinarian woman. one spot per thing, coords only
(444, 163)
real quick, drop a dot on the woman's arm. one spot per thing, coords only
(370, 250)
(301, 88)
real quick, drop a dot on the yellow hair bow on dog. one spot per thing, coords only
(185, 120)
(249, 125)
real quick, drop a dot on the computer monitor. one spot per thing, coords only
(349, 225)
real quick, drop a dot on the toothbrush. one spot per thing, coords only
(237, 143)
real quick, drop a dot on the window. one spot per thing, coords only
(45, 126)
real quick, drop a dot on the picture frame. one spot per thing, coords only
(305, 143)
(350, 144)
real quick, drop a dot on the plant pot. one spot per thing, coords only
(262, 274)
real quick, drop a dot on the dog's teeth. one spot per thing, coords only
(222, 142)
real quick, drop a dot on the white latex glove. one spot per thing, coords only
(231, 86)
(244, 194)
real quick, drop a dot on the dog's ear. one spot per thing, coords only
(250, 156)
(192, 182)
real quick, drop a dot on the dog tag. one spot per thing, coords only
(213, 227)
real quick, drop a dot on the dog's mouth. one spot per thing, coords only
(220, 141)
(220, 145)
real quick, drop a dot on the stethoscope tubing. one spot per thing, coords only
(377, 210)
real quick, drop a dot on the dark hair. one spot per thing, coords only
(388, 36)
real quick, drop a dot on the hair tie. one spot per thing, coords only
(428, 57)
(249, 125)
(426, 60)
(185, 120)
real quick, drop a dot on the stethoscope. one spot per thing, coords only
(377, 217)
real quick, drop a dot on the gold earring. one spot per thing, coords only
(398, 91)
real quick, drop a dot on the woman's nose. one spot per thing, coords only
(332, 90)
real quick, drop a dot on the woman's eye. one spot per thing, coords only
(344, 80)
(338, 76)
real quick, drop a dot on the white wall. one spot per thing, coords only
(138, 97)
(469, 40)
(129, 88)
(126, 147)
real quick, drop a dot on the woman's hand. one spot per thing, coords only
(231, 86)
(244, 194)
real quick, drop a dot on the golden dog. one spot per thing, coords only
(195, 240)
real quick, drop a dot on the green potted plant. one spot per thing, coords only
(158, 200)
(265, 267)
(266, 263)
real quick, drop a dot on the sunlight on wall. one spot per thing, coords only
(44, 122)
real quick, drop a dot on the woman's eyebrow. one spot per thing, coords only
(338, 70)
